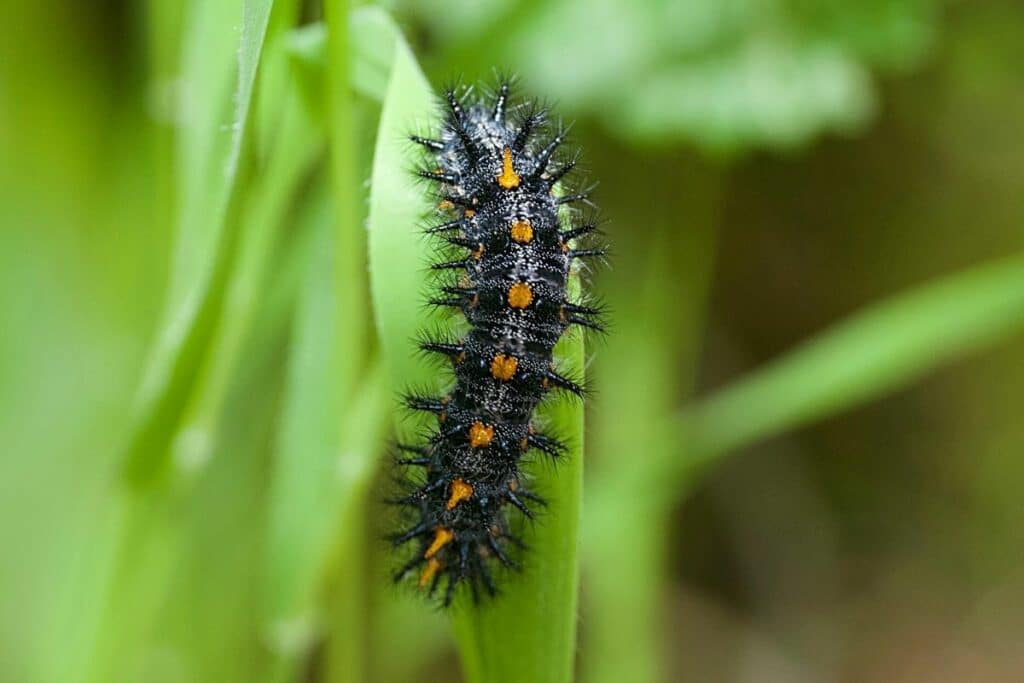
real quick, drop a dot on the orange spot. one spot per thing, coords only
(442, 537)
(445, 205)
(507, 178)
(460, 491)
(469, 213)
(520, 295)
(504, 367)
(480, 435)
(429, 572)
(522, 232)
(478, 252)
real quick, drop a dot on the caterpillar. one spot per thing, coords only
(511, 234)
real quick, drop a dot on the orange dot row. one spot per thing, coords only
(460, 491)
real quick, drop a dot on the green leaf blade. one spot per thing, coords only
(873, 352)
(220, 67)
(398, 272)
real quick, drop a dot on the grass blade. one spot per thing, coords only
(372, 47)
(398, 271)
(320, 490)
(624, 533)
(220, 71)
(292, 156)
(874, 352)
(300, 495)
(322, 472)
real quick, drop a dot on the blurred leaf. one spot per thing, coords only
(363, 435)
(219, 75)
(874, 352)
(347, 654)
(768, 91)
(724, 74)
(304, 471)
(623, 604)
(343, 135)
(374, 37)
(398, 272)
(306, 47)
(372, 48)
(321, 490)
(323, 468)
(220, 66)
(275, 76)
(292, 154)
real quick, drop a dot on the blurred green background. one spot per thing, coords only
(816, 216)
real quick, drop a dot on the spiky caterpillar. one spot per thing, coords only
(496, 172)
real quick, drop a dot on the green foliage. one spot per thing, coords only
(212, 177)
(725, 75)
(874, 352)
(221, 525)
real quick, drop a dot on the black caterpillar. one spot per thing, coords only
(496, 168)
